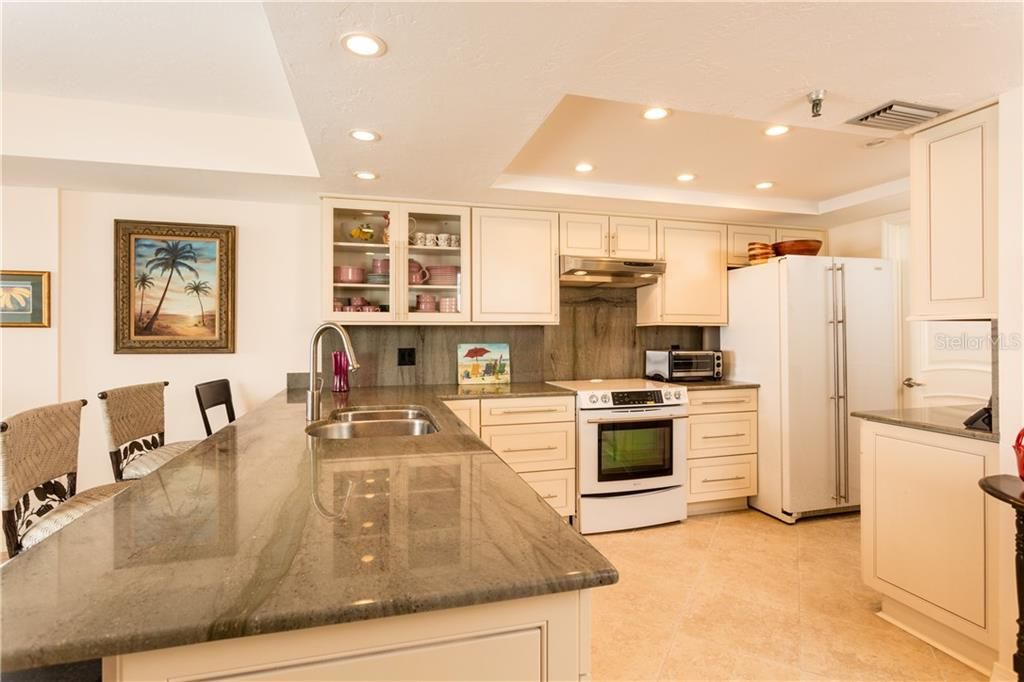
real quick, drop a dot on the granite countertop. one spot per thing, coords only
(717, 383)
(946, 419)
(243, 535)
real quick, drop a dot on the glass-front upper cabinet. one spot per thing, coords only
(391, 262)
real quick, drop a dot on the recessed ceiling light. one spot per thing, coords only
(364, 135)
(365, 175)
(579, 273)
(685, 177)
(767, 184)
(584, 167)
(364, 44)
(775, 131)
(655, 113)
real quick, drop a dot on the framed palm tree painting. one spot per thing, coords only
(174, 287)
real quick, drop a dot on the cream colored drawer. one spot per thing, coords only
(712, 435)
(723, 400)
(719, 478)
(495, 411)
(533, 447)
(558, 488)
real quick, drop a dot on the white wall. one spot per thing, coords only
(278, 281)
(29, 240)
(1011, 361)
(864, 238)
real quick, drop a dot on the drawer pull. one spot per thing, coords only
(549, 497)
(546, 447)
(719, 480)
(724, 435)
(721, 401)
(526, 410)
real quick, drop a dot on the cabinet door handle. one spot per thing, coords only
(543, 449)
(724, 435)
(526, 410)
(720, 401)
(720, 480)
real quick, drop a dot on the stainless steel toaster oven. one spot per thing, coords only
(683, 365)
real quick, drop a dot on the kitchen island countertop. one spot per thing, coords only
(942, 419)
(256, 530)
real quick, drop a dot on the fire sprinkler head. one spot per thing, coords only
(816, 97)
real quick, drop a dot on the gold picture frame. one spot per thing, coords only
(174, 287)
(24, 298)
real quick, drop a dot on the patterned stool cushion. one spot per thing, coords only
(154, 459)
(67, 512)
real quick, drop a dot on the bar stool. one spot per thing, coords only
(37, 448)
(210, 394)
(134, 419)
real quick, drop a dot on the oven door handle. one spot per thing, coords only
(633, 420)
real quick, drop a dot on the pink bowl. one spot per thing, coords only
(349, 273)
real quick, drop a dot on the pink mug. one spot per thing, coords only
(381, 266)
(417, 273)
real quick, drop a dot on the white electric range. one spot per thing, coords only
(631, 453)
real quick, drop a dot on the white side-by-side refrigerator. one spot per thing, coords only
(819, 335)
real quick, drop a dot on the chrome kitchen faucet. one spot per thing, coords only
(315, 382)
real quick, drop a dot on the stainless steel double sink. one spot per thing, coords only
(374, 422)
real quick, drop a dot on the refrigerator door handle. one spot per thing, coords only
(837, 497)
(845, 390)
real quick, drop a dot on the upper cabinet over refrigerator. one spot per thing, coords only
(953, 217)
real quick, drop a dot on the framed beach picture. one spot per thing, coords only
(484, 363)
(174, 287)
(24, 298)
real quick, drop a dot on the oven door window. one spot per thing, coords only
(631, 450)
(693, 363)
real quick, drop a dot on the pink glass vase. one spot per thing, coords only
(340, 361)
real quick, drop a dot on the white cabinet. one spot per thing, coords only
(537, 638)
(372, 274)
(536, 436)
(468, 411)
(694, 288)
(515, 266)
(741, 235)
(583, 235)
(953, 181)
(598, 236)
(633, 238)
(928, 532)
(721, 453)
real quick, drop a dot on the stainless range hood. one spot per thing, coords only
(578, 271)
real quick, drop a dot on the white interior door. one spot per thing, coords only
(809, 439)
(942, 362)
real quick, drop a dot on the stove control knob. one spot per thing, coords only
(593, 398)
(604, 398)
(677, 395)
(668, 395)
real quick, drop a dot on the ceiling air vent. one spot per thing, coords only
(897, 115)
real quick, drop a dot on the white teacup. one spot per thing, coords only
(418, 239)
(444, 239)
(455, 240)
(431, 239)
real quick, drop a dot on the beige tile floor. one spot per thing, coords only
(741, 596)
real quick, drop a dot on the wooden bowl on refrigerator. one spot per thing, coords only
(797, 247)
(759, 252)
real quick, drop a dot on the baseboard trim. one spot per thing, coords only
(1000, 673)
(716, 506)
(968, 651)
